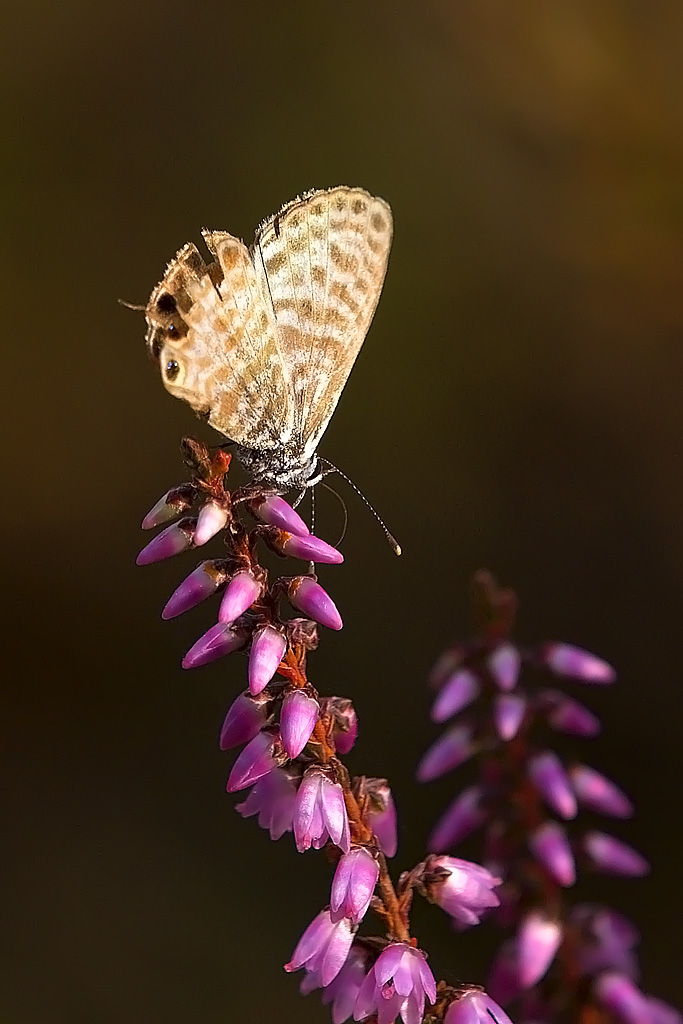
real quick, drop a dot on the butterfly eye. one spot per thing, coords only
(172, 369)
(166, 303)
(172, 329)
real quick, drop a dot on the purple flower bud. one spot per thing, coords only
(210, 521)
(268, 648)
(275, 511)
(313, 549)
(381, 815)
(310, 598)
(504, 664)
(320, 813)
(447, 665)
(538, 940)
(353, 885)
(619, 996)
(169, 542)
(662, 1013)
(605, 940)
(550, 779)
(449, 751)
(599, 793)
(272, 798)
(460, 690)
(475, 1007)
(323, 947)
(460, 887)
(567, 715)
(218, 641)
(255, 761)
(396, 984)
(508, 714)
(243, 721)
(464, 815)
(200, 584)
(611, 855)
(297, 721)
(172, 504)
(240, 594)
(567, 660)
(344, 722)
(550, 847)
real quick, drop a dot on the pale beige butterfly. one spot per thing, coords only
(261, 341)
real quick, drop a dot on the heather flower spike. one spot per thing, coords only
(297, 720)
(310, 598)
(323, 947)
(240, 594)
(396, 985)
(268, 648)
(320, 813)
(353, 885)
(171, 541)
(200, 584)
(218, 641)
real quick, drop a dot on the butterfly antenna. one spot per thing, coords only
(131, 305)
(343, 505)
(393, 543)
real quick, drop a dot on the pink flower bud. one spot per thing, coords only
(457, 693)
(275, 511)
(353, 885)
(211, 519)
(310, 598)
(169, 542)
(567, 660)
(218, 641)
(537, 943)
(199, 585)
(297, 721)
(599, 793)
(614, 857)
(268, 648)
(240, 594)
(172, 504)
(550, 847)
(397, 984)
(313, 549)
(463, 889)
(449, 751)
(475, 1007)
(620, 997)
(344, 722)
(381, 814)
(567, 715)
(272, 798)
(550, 779)
(508, 714)
(464, 815)
(255, 761)
(504, 664)
(243, 721)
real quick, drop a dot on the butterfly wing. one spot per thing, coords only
(213, 331)
(322, 260)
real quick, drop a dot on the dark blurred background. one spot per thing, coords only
(517, 405)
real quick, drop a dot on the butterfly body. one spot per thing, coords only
(261, 341)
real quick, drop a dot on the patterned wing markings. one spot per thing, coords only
(213, 331)
(323, 259)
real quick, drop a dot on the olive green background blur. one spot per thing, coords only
(516, 405)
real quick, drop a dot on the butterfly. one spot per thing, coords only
(261, 340)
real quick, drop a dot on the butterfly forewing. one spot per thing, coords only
(323, 259)
(221, 346)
